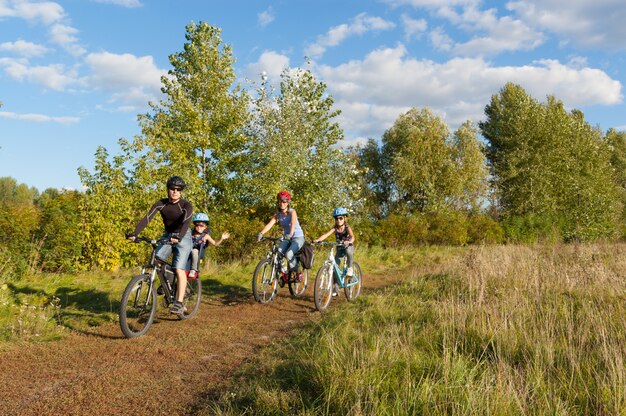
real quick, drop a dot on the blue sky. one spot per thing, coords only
(75, 74)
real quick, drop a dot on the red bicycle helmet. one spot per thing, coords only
(284, 195)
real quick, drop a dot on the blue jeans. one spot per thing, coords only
(347, 252)
(181, 251)
(289, 248)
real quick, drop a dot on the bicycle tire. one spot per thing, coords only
(298, 289)
(323, 291)
(138, 306)
(353, 292)
(264, 282)
(191, 301)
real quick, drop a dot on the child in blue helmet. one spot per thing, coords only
(343, 235)
(200, 237)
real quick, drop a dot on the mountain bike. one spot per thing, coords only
(272, 272)
(139, 301)
(330, 273)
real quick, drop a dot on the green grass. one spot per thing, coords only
(499, 330)
(44, 307)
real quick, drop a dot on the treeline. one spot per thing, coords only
(541, 172)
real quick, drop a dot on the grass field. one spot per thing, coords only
(490, 330)
(477, 330)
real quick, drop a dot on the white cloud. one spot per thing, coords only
(598, 23)
(130, 78)
(265, 17)
(124, 3)
(24, 48)
(65, 36)
(374, 91)
(39, 118)
(45, 12)
(413, 27)
(55, 76)
(270, 62)
(361, 24)
(489, 34)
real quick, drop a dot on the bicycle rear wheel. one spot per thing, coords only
(353, 289)
(297, 288)
(192, 298)
(138, 307)
(264, 283)
(323, 287)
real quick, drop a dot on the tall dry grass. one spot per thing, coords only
(528, 330)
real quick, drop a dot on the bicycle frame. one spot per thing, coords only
(158, 267)
(339, 275)
(275, 256)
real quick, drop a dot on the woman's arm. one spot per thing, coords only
(269, 225)
(266, 228)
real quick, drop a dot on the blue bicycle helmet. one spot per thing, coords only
(340, 211)
(200, 217)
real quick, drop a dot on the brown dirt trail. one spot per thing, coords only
(103, 373)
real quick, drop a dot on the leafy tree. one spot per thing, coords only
(59, 231)
(616, 142)
(549, 163)
(110, 207)
(377, 177)
(13, 193)
(470, 183)
(197, 131)
(294, 145)
(419, 167)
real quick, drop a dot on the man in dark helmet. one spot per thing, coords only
(176, 214)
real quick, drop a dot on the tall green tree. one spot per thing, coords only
(549, 163)
(295, 141)
(420, 167)
(60, 225)
(197, 131)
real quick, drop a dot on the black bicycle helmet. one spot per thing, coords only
(176, 181)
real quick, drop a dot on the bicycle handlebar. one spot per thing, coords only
(326, 243)
(152, 241)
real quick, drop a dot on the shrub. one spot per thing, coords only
(483, 229)
(447, 227)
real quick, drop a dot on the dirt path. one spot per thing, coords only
(103, 373)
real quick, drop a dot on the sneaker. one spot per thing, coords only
(299, 277)
(350, 272)
(335, 289)
(160, 290)
(177, 308)
(192, 274)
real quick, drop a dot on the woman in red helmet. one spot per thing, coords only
(292, 232)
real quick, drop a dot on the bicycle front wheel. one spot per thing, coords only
(192, 298)
(138, 307)
(297, 287)
(353, 287)
(323, 287)
(264, 284)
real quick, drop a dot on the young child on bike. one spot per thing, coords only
(344, 236)
(200, 235)
(176, 215)
(292, 233)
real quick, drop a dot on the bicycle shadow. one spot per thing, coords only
(226, 294)
(79, 310)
